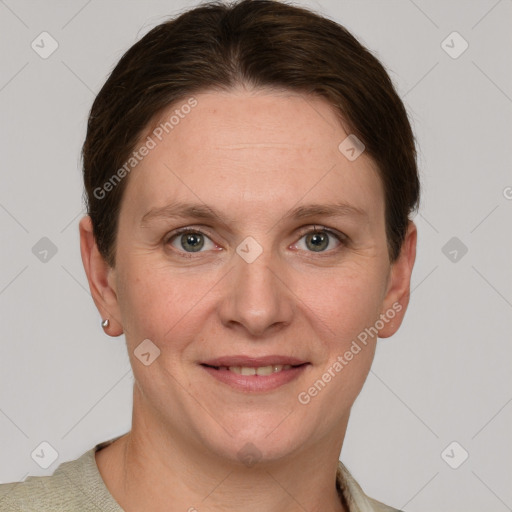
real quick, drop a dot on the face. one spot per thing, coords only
(252, 253)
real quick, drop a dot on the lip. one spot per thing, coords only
(253, 362)
(217, 368)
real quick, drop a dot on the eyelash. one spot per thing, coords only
(340, 237)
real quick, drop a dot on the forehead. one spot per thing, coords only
(259, 146)
(245, 122)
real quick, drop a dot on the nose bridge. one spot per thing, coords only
(256, 298)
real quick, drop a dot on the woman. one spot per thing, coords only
(249, 173)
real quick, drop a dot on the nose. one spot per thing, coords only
(257, 298)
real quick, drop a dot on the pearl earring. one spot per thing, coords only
(105, 323)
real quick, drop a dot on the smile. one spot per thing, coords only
(255, 378)
(260, 370)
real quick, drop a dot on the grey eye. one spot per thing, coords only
(192, 242)
(317, 241)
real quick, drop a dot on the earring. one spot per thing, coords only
(105, 323)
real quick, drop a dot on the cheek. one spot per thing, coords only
(342, 380)
(161, 305)
(346, 307)
(345, 303)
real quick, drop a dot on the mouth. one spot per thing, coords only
(256, 370)
(255, 374)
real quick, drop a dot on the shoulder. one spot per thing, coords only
(40, 493)
(354, 495)
(74, 486)
(381, 507)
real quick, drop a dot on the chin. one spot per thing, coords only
(262, 442)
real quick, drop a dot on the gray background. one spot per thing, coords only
(444, 377)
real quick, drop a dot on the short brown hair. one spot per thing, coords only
(261, 43)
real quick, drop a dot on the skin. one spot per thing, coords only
(252, 156)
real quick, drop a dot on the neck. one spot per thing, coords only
(149, 469)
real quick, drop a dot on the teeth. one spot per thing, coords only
(261, 370)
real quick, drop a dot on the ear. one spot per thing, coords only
(101, 279)
(398, 291)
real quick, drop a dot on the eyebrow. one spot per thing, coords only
(204, 212)
(181, 210)
(326, 210)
